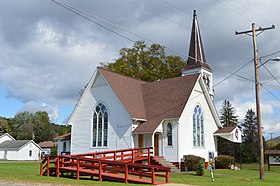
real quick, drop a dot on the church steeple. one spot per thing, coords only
(196, 62)
(196, 51)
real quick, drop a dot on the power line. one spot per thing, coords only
(69, 8)
(270, 93)
(272, 75)
(233, 73)
(74, 10)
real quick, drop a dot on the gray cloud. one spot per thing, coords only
(48, 53)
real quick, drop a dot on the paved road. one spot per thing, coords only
(14, 183)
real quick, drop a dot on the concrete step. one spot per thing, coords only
(162, 161)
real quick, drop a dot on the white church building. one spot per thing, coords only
(175, 116)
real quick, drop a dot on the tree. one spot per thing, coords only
(26, 126)
(5, 127)
(42, 127)
(146, 63)
(22, 125)
(250, 138)
(227, 118)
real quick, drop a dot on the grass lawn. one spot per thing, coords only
(24, 171)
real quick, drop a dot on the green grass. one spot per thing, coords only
(23, 171)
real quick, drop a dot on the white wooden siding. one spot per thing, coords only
(186, 127)
(119, 121)
(171, 152)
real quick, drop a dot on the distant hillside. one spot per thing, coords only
(276, 139)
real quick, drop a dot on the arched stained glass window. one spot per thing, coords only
(169, 134)
(198, 127)
(100, 126)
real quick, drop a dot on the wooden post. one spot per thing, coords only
(268, 163)
(57, 166)
(132, 153)
(41, 168)
(167, 174)
(48, 166)
(149, 156)
(100, 171)
(126, 174)
(78, 169)
(153, 176)
(257, 85)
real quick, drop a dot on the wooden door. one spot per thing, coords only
(140, 140)
(156, 138)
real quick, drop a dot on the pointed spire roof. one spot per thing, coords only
(196, 51)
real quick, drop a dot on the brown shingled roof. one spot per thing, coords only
(165, 99)
(153, 101)
(225, 130)
(64, 137)
(46, 144)
(129, 92)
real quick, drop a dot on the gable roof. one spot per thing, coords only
(225, 130)
(46, 144)
(165, 99)
(6, 134)
(128, 90)
(64, 137)
(17, 144)
(151, 101)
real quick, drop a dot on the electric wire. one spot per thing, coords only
(272, 75)
(270, 92)
(243, 66)
(68, 8)
(74, 9)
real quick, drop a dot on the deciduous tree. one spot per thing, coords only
(148, 63)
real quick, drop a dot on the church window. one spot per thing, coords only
(198, 127)
(169, 134)
(100, 126)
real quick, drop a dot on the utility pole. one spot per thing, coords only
(257, 87)
(271, 133)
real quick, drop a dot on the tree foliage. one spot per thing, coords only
(227, 118)
(5, 126)
(250, 137)
(37, 126)
(148, 63)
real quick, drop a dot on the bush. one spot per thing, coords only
(192, 161)
(223, 162)
(54, 151)
(200, 170)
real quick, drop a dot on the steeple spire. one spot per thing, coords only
(196, 51)
(196, 63)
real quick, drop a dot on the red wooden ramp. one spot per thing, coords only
(127, 165)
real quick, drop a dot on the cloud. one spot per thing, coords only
(48, 53)
(34, 107)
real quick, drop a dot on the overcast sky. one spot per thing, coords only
(48, 54)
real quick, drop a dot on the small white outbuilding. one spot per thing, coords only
(20, 150)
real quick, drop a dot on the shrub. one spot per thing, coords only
(54, 151)
(191, 162)
(200, 170)
(223, 161)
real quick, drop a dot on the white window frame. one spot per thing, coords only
(169, 134)
(198, 127)
(100, 126)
